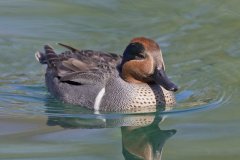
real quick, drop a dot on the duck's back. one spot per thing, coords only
(75, 62)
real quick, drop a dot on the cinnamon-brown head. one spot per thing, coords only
(143, 63)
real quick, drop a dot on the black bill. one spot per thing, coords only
(161, 78)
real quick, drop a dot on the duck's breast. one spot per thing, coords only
(122, 96)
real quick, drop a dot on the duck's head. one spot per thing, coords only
(143, 63)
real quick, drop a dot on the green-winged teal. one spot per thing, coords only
(104, 81)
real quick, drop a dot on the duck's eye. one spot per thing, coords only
(140, 56)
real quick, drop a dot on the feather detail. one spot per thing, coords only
(68, 47)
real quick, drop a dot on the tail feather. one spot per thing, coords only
(49, 57)
(40, 57)
(48, 49)
(68, 47)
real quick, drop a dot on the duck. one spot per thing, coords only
(108, 82)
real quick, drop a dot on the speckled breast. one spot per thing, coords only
(125, 97)
(148, 97)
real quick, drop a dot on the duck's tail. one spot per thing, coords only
(49, 57)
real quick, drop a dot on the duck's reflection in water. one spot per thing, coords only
(144, 142)
(142, 138)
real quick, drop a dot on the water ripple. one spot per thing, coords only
(20, 100)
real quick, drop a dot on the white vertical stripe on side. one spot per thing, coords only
(98, 99)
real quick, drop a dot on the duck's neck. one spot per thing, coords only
(128, 78)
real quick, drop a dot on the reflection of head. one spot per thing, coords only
(144, 142)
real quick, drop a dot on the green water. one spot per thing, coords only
(200, 41)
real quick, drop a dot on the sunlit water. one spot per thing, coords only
(200, 43)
